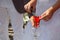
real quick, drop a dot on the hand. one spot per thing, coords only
(47, 15)
(29, 5)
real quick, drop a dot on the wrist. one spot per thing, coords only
(51, 10)
(55, 7)
(33, 1)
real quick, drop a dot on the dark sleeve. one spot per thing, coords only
(19, 5)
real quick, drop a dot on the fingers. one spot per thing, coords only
(32, 20)
(47, 17)
(27, 8)
(43, 15)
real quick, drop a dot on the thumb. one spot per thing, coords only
(43, 16)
